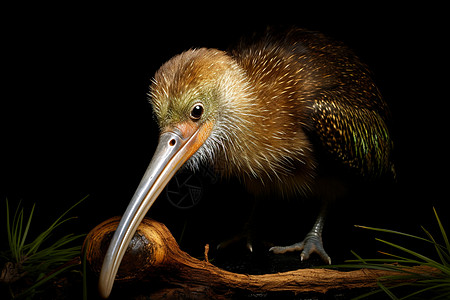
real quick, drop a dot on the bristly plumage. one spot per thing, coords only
(345, 112)
(277, 103)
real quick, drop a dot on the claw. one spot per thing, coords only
(249, 246)
(242, 236)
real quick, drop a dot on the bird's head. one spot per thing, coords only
(196, 98)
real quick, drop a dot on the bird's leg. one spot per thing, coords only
(246, 233)
(312, 242)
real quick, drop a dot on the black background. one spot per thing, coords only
(77, 120)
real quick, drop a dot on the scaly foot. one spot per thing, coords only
(311, 244)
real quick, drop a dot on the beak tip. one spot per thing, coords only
(105, 282)
(104, 289)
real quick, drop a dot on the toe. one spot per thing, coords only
(285, 249)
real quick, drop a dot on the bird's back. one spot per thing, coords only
(320, 87)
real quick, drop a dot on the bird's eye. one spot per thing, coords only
(196, 112)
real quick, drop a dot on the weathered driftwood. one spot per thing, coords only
(154, 257)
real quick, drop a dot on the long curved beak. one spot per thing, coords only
(171, 153)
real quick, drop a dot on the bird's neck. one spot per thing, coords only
(235, 133)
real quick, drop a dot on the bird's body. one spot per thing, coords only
(288, 113)
(286, 101)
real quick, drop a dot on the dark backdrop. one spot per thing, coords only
(77, 120)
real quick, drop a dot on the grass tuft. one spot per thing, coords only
(36, 261)
(431, 285)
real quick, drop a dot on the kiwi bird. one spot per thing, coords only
(287, 113)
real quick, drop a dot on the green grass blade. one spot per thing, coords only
(54, 254)
(433, 284)
(371, 293)
(15, 234)
(382, 267)
(359, 258)
(25, 233)
(425, 260)
(413, 253)
(59, 222)
(34, 246)
(400, 259)
(394, 232)
(42, 281)
(436, 246)
(443, 295)
(72, 207)
(444, 234)
(387, 291)
(421, 291)
(37, 262)
(85, 288)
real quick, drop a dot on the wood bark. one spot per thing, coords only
(154, 258)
